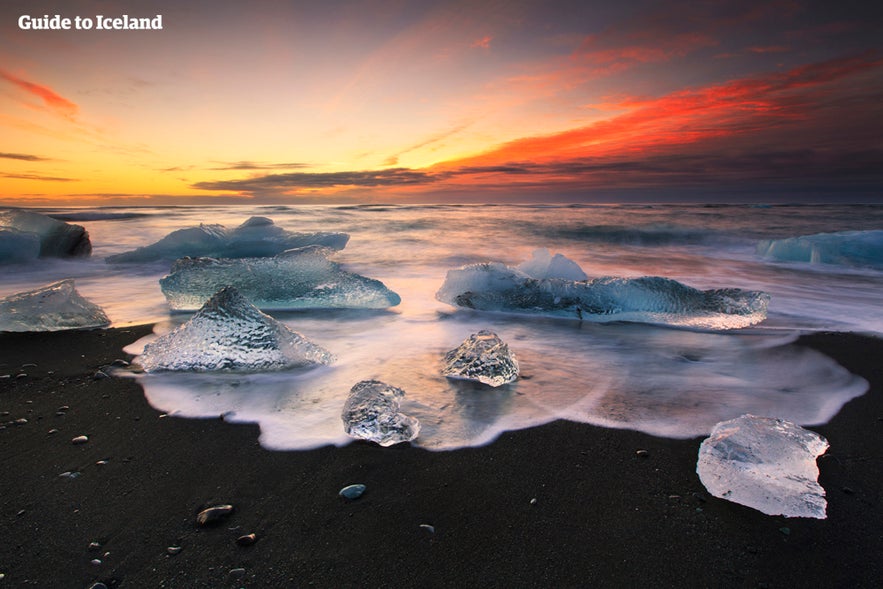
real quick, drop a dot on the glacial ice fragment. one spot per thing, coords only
(482, 357)
(256, 238)
(18, 246)
(297, 279)
(54, 307)
(57, 238)
(371, 412)
(764, 463)
(229, 333)
(850, 248)
(543, 264)
(493, 286)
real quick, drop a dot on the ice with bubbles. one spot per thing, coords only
(764, 463)
(55, 307)
(230, 334)
(372, 412)
(256, 237)
(493, 286)
(848, 248)
(21, 229)
(483, 357)
(303, 278)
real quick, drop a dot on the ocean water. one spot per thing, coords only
(661, 380)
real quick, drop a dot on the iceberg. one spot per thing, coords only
(18, 246)
(544, 265)
(850, 248)
(56, 238)
(482, 357)
(371, 412)
(297, 279)
(493, 286)
(229, 333)
(55, 307)
(256, 238)
(764, 463)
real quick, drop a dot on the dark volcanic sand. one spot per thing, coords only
(603, 516)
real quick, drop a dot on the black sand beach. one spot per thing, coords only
(603, 516)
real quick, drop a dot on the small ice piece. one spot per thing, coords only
(493, 286)
(484, 357)
(544, 265)
(229, 333)
(850, 248)
(57, 238)
(371, 412)
(764, 463)
(55, 307)
(257, 237)
(296, 279)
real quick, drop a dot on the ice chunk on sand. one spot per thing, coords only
(544, 265)
(57, 238)
(257, 237)
(54, 307)
(229, 333)
(371, 412)
(851, 248)
(765, 463)
(297, 279)
(492, 286)
(483, 357)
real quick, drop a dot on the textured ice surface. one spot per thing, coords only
(765, 463)
(229, 333)
(56, 238)
(544, 265)
(296, 279)
(483, 357)
(18, 246)
(257, 237)
(371, 412)
(493, 286)
(53, 307)
(851, 248)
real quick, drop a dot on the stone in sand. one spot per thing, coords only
(213, 515)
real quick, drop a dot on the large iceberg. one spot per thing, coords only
(54, 307)
(18, 246)
(229, 333)
(493, 286)
(257, 237)
(851, 248)
(371, 412)
(764, 463)
(482, 357)
(55, 238)
(297, 279)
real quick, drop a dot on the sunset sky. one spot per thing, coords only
(394, 100)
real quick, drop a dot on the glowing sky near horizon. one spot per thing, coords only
(275, 101)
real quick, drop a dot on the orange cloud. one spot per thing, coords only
(52, 100)
(483, 43)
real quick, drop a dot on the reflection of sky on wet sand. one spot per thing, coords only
(661, 381)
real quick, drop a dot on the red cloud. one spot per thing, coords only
(51, 99)
(484, 42)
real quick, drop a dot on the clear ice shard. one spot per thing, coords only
(229, 333)
(54, 307)
(543, 264)
(56, 238)
(764, 463)
(493, 286)
(482, 357)
(257, 237)
(371, 412)
(297, 279)
(848, 248)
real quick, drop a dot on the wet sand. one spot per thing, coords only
(562, 505)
